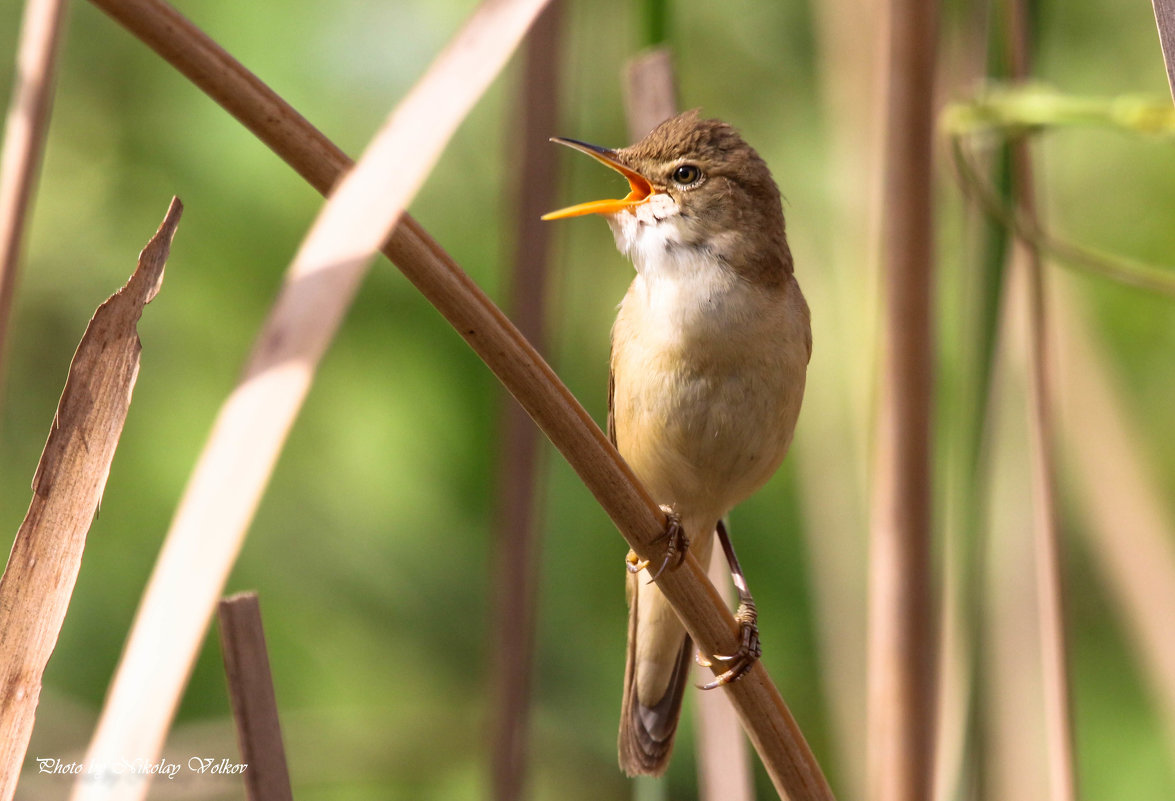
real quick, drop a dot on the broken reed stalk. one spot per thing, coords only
(254, 703)
(1045, 526)
(785, 754)
(1165, 19)
(24, 143)
(516, 568)
(238, 458)
(902, 684)
(724, 766)
(67, 489)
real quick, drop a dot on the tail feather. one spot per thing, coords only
(646, 732)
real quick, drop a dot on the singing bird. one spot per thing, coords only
(709, 355)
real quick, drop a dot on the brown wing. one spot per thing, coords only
(611, 402)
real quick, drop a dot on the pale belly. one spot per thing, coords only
(705, 434)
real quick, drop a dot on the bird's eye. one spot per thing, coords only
(687, 174)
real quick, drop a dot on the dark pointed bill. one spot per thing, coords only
(639, 187)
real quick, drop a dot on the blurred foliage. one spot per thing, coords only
(371, 548)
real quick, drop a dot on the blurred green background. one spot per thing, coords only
(371, 550)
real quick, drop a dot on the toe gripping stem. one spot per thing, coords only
(675, 548)
(749, 650)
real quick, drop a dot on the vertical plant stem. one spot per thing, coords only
(1046, 530)
(724, 765)
(24, 140)
(650, 91)
(516, 568)
(901, 639)
(250, 684)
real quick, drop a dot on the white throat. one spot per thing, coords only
(684, 293)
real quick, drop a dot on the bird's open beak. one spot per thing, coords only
(640, 189)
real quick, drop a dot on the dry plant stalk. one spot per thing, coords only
(238, 458)
(67, 489)
(1045, 526)
(516, 569)
(1165, 19)
(901, 702)
(786, 756)
(650, 91)
(250, 685)
(724, 766)
(24, 141)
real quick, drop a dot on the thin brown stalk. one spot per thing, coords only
(1046, 528)
(1165, 19)
(724, 766)
(901, 636)
(67, 490)
(24, 142)
(254, 703)
(516, 568)
(238, 458)
(724, 763)
(785, 754)
(650, 91)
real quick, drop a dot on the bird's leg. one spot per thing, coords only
(748, 649)
(674, 549)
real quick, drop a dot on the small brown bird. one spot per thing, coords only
(709, 356)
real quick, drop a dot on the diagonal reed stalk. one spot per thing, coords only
(1131, 530)
(1165, 19)
(24, 142)
(785, 754)
(238, 458)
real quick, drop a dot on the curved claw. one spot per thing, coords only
(748, 653)
(677, 546)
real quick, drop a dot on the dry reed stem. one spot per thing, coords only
(1165, 19)
(780, 744)
(901, 626)
(254, 703)
(1045, 526)
(650, 92)
(24, 142)
(238, 458)
(1131, 531)
(1011, 762)
(67, 489)
(516, 568)
(724, 766)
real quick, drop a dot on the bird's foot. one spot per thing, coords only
(748, 652)
(675, 548)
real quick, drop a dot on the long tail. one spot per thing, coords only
(647, 727)
(657, 669)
